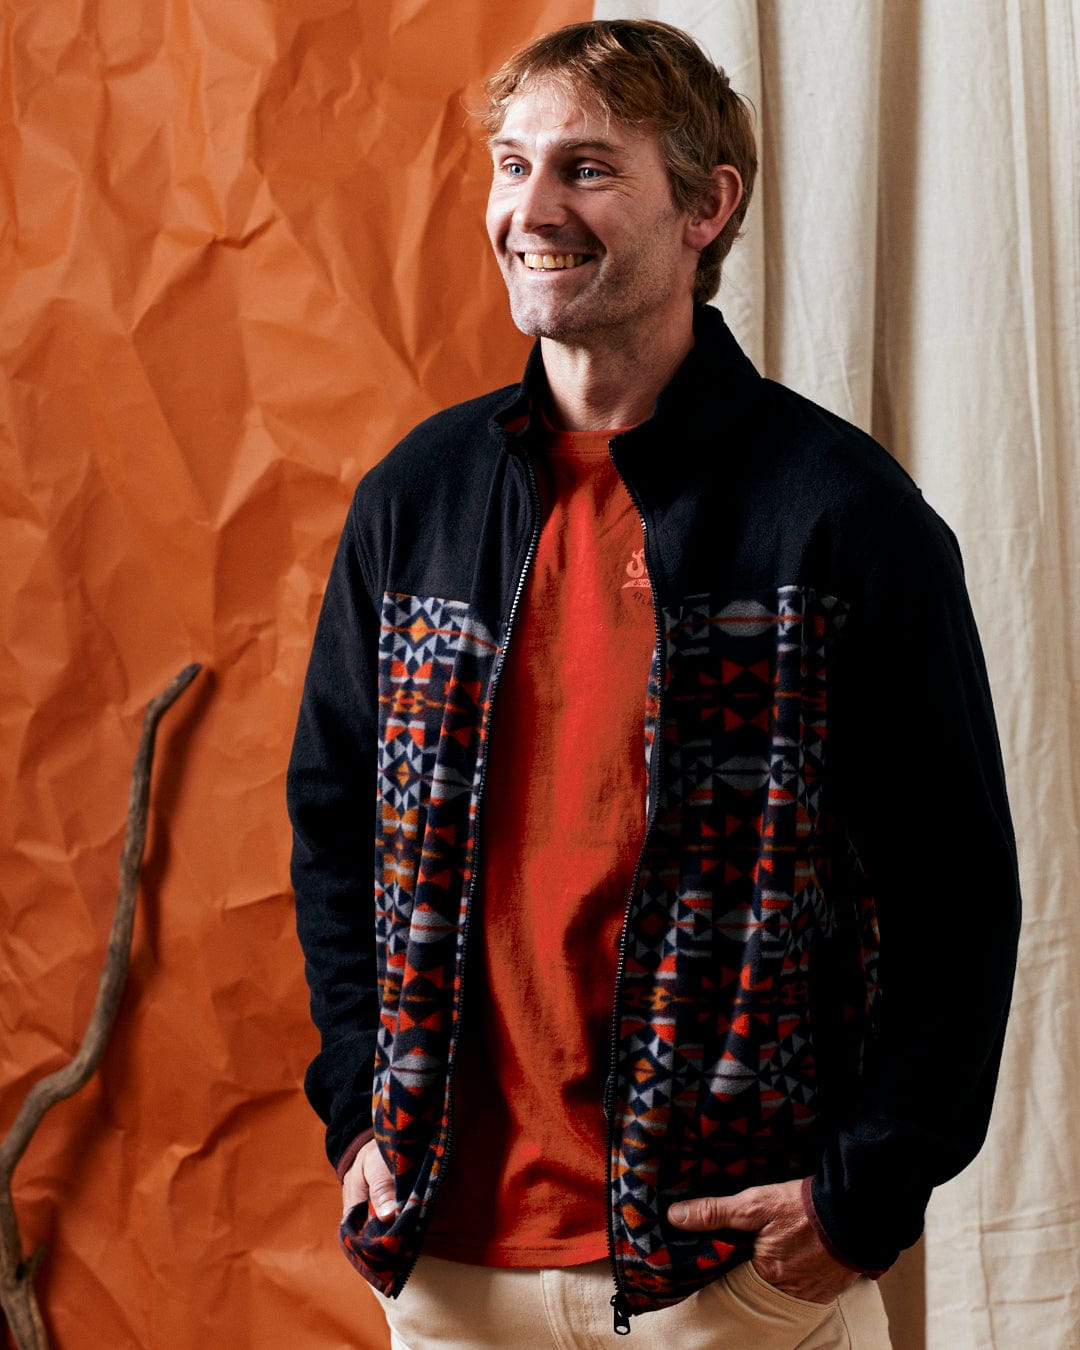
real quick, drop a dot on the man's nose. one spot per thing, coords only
(541, 203)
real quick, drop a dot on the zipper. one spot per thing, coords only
(534, 539)
(619, 1303)
(622, 1313)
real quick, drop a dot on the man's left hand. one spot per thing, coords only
(787, 1251)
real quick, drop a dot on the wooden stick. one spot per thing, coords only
(16, 1273)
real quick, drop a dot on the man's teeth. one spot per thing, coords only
(549, 262)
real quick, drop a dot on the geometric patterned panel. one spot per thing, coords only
(716, 1086)
(436, 662)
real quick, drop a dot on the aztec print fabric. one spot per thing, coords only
(716, 1084)
(436, 662)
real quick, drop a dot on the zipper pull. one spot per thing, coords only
(622, 1313)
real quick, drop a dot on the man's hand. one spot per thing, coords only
(369, 1179)
(787, 1251)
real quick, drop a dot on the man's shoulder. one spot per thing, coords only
(433, 485)
(827, 445)
(825, 467)
(835, 482)
(471, 415)
(446, 442)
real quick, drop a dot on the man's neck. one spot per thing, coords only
(603, 385)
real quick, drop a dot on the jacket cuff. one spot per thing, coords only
(349, 1156)
(823, 1237)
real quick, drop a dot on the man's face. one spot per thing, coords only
(582, 221)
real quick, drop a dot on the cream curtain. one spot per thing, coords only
(912, 261)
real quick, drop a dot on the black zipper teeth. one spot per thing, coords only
(530, 554)
(654, 781)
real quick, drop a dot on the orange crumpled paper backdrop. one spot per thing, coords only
(242, 252)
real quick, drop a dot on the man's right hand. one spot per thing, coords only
(369, 1179)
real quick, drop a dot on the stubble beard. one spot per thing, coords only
(606, 310)
(540, 317)
(619, 302)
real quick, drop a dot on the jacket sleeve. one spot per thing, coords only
(331, 792)
(920, 788)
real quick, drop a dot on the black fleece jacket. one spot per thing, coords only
(817, 958)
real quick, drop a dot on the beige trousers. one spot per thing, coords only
(467, 1307)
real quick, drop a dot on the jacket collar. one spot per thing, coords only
(715, 370)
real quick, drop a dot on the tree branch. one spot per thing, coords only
(16, 1273)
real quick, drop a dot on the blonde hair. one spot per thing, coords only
(651, 75)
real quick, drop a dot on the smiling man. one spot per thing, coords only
(652, 858)
(598, 259)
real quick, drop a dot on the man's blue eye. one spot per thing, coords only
(515, 170)
(588, 173)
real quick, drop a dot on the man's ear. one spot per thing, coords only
(715, 209)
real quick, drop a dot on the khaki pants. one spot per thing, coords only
(466, 1307)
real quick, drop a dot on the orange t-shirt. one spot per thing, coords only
(560, 829)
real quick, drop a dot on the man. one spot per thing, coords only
(690, 945)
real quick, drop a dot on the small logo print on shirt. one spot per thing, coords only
(635, 571)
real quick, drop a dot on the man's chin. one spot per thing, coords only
(541, 322)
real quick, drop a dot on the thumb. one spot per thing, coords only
(381, 1190)
(717, 1211)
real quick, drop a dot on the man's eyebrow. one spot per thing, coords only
(584, 143)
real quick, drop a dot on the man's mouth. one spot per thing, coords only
(553, 262)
